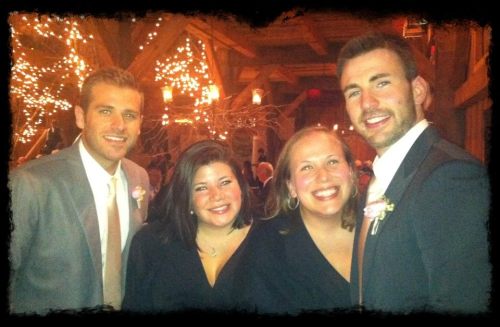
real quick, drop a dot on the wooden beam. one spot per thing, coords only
(288, 55)
(168, 34)
(219, 32)
(474, 88)
(289, 76)
(290, 109)
(426, 68)
(246, 94)
(214, 67)
(314, 37)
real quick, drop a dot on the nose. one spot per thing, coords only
(117, 121)
(323, 173)
(368, 101)
(215, 194)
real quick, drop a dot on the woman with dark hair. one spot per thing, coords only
(300, 258)
(186, 258)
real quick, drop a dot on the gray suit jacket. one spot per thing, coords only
(431, 252)
(55, 250)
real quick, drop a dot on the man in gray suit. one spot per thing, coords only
(426, 245)
(60, 204)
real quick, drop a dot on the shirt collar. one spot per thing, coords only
(385, 166)
(91, 165)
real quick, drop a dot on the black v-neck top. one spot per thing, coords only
(285, 272)
(166, 277)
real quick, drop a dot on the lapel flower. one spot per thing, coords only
(138, 195)
(377, 210)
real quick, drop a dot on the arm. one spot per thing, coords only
(450, 217)
(137, 289)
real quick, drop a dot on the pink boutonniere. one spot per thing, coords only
(138, 195)
(377, 210)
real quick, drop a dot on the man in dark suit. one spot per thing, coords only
(426, 245)
(60, 204)
(264, 174)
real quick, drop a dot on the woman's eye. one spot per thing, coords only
(226, 182)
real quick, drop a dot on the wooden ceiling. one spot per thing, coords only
(294, 53)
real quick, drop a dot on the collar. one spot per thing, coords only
(385, 166)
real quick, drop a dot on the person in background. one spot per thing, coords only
(300, 259)
(261, 155)
(59, 246)
(248, 173)
(427, 210)
(186, 259)
(54, 139)
(155, 181)
(265, 176)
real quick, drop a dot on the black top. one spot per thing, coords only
(170, 277)
(286, 273)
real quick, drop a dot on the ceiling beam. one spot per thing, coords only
(217, 31)
(214, 66)
(286, 74)
(168, 34)
(288, 55)
(290, 109)
(246, 94)
(474, 88)
(313, 36)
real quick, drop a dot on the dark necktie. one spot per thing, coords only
(112, 276)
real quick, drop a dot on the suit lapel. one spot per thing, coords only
(395, 193)
(83, 202)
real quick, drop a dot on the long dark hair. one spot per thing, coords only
(178, 222)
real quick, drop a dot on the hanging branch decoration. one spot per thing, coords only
(187, 72)
(29, 82)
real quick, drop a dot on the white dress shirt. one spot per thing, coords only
(99, 178)
(385, 167)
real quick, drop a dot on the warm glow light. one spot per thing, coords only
(184, 121)
(214, 92)
(167, 93)
(257, 96)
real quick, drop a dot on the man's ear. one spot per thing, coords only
(79, 117)
(420, 89)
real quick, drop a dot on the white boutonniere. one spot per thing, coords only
(377, 210)
(138, 195)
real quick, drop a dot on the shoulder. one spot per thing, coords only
(269, 233)
(132, 166)
(448, 159)
(49, 166)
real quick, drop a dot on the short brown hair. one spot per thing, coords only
(110, 75)
(376, 40)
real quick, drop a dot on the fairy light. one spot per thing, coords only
(35, 98)
(151, 35)
(186, 71)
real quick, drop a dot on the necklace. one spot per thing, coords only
(214, 251)
(210, 249)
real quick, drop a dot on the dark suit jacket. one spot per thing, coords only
(55, 252)
(431, 252)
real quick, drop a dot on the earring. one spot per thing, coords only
(289, 203)
(191, 212)
(355, 191)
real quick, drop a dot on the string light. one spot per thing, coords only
(35, 97)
